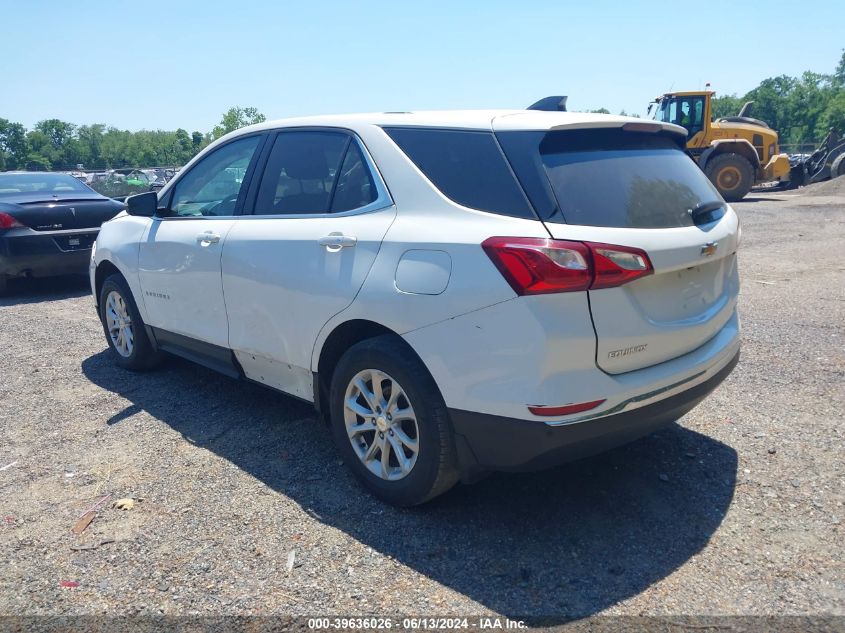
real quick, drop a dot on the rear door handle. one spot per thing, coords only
(336, 241)
(208, 238)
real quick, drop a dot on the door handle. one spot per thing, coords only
(336, 241)
(208, 238)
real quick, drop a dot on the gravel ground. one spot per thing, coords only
(737, 509)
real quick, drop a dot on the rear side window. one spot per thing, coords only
(314, 172)
(300, 173)
(611, 178)
(467, 167)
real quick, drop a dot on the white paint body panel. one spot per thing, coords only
(687, 300)
(281, 286)
(180, 277)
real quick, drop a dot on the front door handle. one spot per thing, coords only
(208, 238)
(336, 241)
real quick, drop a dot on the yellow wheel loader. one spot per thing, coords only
(735, 152)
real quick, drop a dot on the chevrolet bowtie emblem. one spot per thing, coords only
(708, 249)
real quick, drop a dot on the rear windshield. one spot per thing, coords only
(12, 184)
(611, 178)
(466, 166)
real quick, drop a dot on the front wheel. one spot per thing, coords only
(125, 333)
(732, 174)
(390, 423)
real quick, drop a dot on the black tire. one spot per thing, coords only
(435, 470)
(732, 174)
(4, 284)
(837, 168)
(143, 355)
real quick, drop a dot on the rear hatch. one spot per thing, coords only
(56, 213)
(636, 187)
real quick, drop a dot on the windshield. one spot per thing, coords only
(660, 111)
(12, 184)
(612, 178)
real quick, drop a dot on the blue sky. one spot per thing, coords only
(148, 64)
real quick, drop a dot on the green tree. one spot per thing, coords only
(13, 145)
(839, 73)
(237, 118)
(726, 105)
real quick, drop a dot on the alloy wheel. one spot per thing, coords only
(381, 424)
(119, 324)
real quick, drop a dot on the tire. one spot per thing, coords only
(838, 167)
(4, 284)
(428, 472)
(138, 354)
(732, 174)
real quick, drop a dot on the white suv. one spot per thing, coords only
(456, 292)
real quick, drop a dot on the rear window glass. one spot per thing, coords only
(611, 178)
(40, 182)
(467, 167)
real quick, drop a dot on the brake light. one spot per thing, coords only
(535, 266)
(9, 222)
(617, 265)
(540, 266)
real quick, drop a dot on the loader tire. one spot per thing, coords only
(732, 175)
(838, 167)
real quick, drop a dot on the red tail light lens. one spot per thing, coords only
(535, 266)
(541, 266)
(9, 222)
(567, 409)
(617, 265)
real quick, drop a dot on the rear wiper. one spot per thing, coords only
(702, 213)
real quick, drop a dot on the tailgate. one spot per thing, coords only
(637, 189)
(686, 301)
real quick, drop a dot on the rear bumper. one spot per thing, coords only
(29, 253)
(490, 442)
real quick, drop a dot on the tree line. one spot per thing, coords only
(53, 144)
(801, 109)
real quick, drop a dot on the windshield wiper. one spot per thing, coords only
(703, 212)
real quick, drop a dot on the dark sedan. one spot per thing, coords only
(48, 223)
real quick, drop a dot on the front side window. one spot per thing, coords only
(212, 186)
(687, 112)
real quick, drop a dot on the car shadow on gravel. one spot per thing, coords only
(545, 547)
(23, 291)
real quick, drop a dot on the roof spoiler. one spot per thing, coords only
(550, 104)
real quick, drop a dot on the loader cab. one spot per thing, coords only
(690, 110)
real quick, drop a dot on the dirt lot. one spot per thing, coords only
(737, 509)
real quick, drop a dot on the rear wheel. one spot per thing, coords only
(732, 174)
(127, 338)
(390, 423)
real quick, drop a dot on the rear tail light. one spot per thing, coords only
(541, 266)
(9, 222)
(538, 266)
(617, 265)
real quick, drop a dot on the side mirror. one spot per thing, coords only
(144, 204)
